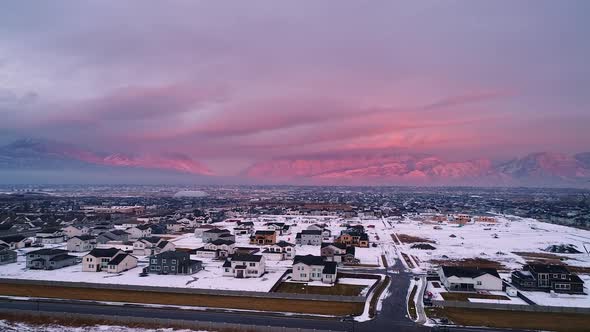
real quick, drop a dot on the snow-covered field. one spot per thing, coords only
(6, 326)
(496, 242)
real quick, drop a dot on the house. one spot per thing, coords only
(173, 226)
(339, 253)
(279, 251)
(313, 268)
(354, 236)
(214, 234)
(326, 232)
(49, 259)
(173, 262)
(309, 237)
(121, 262)
(50, 236)
(164, 246)
(456, 278)
(224, 248)
(139, 231)
(98, 259)
(201, 229)
(541, 277)
(71, 231)
(243, 227)
(7, 256)
(114, 235)
(263, 237)
(80, 243)
(279, 227)
(244, 266)
(145, 246)
(14, 241)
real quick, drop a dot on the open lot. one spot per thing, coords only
(338, 289)
(456, 296)
(504, 245)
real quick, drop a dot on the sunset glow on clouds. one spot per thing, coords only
(233, 84)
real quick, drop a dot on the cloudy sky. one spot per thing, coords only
(233, 83)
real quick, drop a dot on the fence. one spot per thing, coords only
(511, 307)
(195, 291)
(176, 323)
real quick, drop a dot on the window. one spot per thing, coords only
(173, 268)
(555, 276)
(252, 264)
(227, 269)
(303, 275)
(154, 261)
(479, 283)
(163, 261)
(152, 268)
(158, 268)
(563, 276)
(174, 261)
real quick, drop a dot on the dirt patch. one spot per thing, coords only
(471, 262)
(514, 319)
(395, 241)
(408, 260)
(453, 296)
(423, 246)
(554, 259)
(405, 238)
(214, 301)
(338, 289)
(384, 259)
(377, 293)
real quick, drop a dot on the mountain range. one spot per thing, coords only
(41, 154)
(536, 169)
(545, 169)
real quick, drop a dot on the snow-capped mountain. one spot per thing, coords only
(538, 169)
(44, 154)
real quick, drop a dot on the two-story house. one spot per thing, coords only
(79, 243)
(98, 259)
(217, 233)
(543, 277)
(114, 235)
(339, 253)
(139, 231)
(50, 236)
(264, 237)
(313, 268)
(279, 251)
(49, 259)
(309, 237)
(15, 241)
(244, 266)
(71, 231)
(173, 262)
(224, 248)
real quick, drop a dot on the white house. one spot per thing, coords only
(79, 243)
(279, 251)
(71, 231)
(223, 247)
(121, 262)
(14, 241)
(139, 231)
(244, 266)
(50, 236)
(98, 259)
(469, 279)
(313, 268)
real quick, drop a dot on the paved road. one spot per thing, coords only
(392, 316)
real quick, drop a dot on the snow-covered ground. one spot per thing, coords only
(6, 326)
(209, 278)
(496, 242)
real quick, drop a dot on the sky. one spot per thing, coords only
(233, 83)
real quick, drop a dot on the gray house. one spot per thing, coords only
(49, 259)
(173, 262)
(116, 235)
(216, 233)
(309, 237)
(7, 256)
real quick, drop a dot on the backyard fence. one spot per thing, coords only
(511, 307)
(195, 291)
